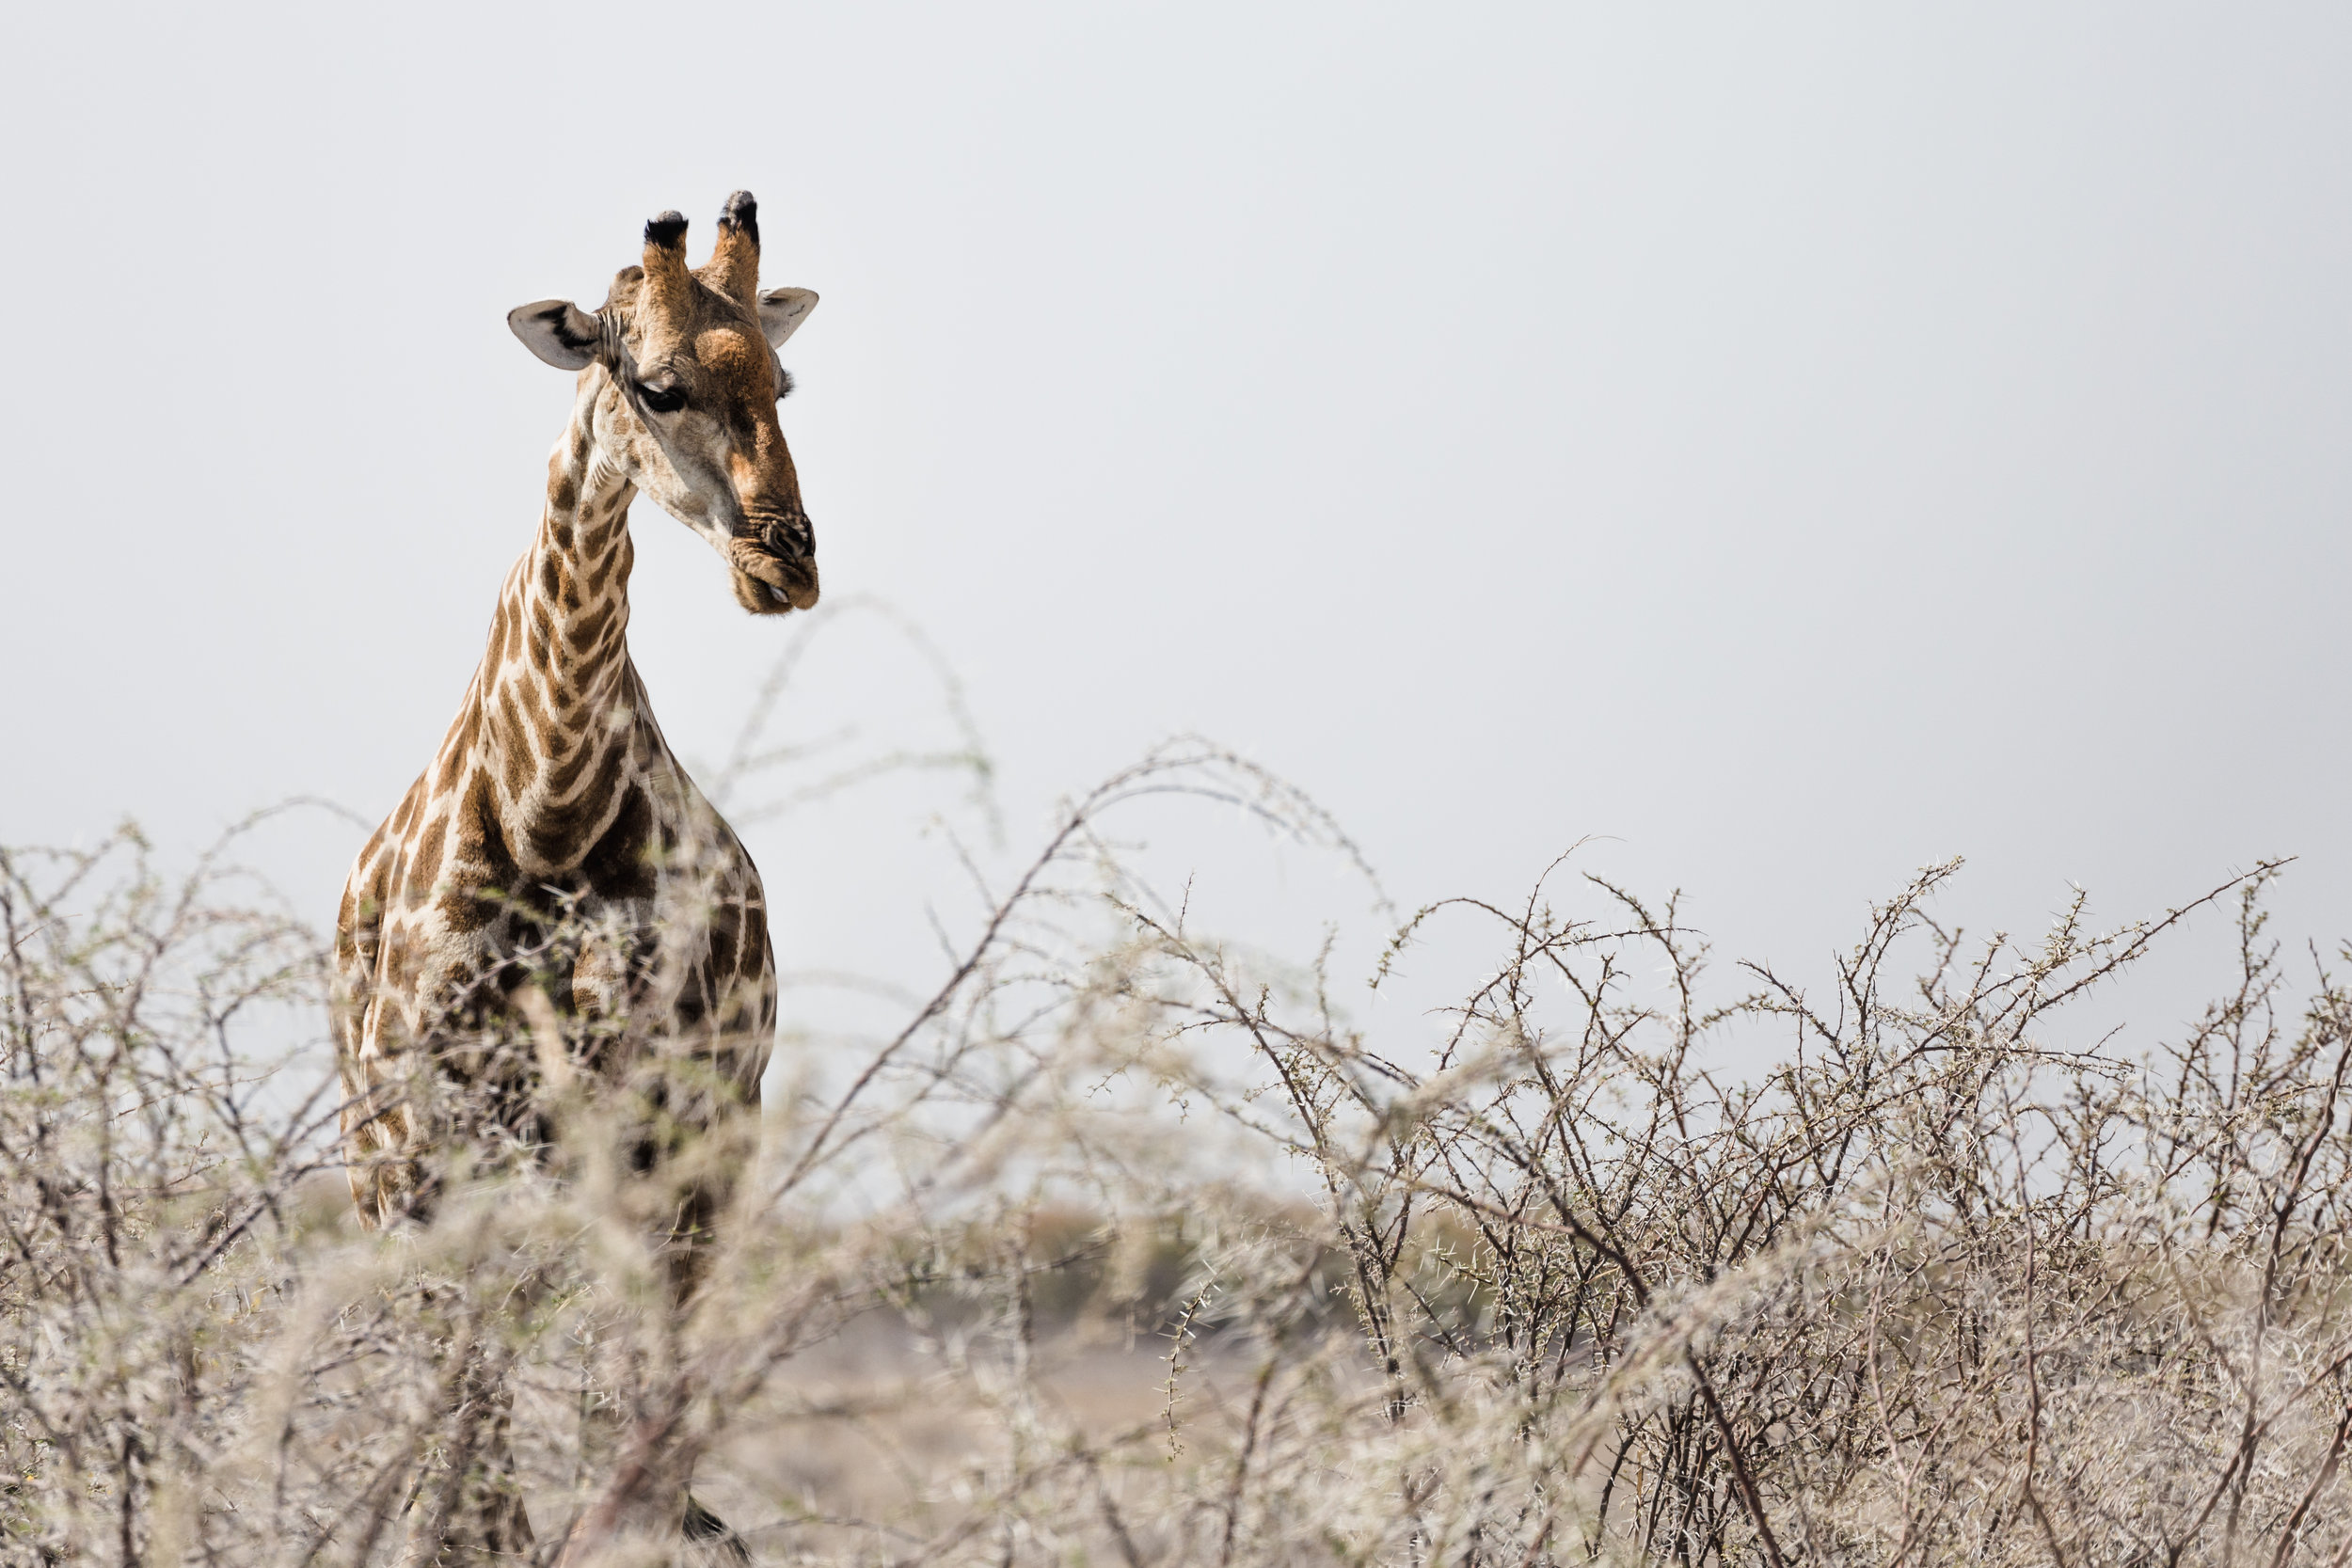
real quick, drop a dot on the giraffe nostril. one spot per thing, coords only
(788, 538)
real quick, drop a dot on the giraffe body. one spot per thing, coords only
(555, 842)
(553, 897)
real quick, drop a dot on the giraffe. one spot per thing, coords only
(554, 861)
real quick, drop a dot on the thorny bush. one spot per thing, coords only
(1931, 1289)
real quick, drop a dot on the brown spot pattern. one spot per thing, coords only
(552, 790)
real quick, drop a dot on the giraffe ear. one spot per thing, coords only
(782, 310)
(558, 331)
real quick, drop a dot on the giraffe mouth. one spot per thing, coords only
(767, 583)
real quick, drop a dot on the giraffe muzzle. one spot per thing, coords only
(775, 564)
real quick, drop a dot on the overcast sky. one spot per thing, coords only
(1796, 443)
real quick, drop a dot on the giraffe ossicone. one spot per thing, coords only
(554, 861)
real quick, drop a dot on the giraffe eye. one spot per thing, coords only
(664, 400)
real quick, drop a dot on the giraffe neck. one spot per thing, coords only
(559, 705)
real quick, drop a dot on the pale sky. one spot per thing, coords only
(1795, 443)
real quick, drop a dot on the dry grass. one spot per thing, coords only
(1927, 1290)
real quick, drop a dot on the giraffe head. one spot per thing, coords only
(681, 364)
